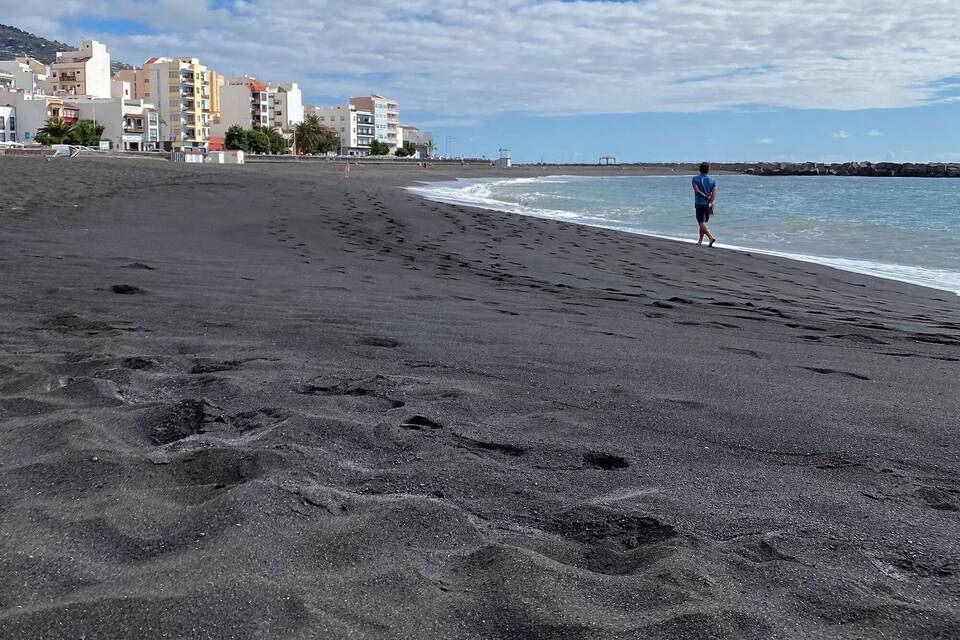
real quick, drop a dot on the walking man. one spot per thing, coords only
(705, 192)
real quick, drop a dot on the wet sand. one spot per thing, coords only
(265, 402)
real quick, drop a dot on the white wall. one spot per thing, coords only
(31, 113)
(6, 133)
(121, 89)
(234, 109)
(98, 70)
(23, 77)
(294, 104)
(107, 112)
(342, 119)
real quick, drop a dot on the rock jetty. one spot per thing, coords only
(879, 169)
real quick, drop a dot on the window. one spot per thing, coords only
(13, 123)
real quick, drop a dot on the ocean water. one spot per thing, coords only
(904, 229)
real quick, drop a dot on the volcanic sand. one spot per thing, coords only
(266, 402)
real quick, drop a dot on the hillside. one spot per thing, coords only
(15, 42)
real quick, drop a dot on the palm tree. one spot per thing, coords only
(278, 144)
(308, 134)
(54, 131)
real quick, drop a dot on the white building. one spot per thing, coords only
(85, 72)
(285, 105)
(386, 117)
(244, 102)
(355, 127)
(129, 125)
(121, 89)
(135, 79)
(8, 124)
(421, 140)
(26, 73)
(32, 111)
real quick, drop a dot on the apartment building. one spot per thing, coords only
(355, 127)
(25, 73)
(85, 72)
(386, 117)
(32, 111)
(216, 83)
(8, 124)
(244, 102)
(285, 106)
(181, 91)
(421, 140)
(121, 89)
(134, 79)
(129, 125)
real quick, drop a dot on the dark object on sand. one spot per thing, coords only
(126, 289)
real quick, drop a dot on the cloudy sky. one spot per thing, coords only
(649, 80)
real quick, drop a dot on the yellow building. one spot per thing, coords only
(181, 91)
(216, 82)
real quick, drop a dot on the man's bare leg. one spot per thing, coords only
(706, 232)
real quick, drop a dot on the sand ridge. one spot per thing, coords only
(252, 402)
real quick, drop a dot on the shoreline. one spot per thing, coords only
(850, 265)
(270, 402)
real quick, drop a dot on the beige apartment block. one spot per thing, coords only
(134, 77)
(244, 102)
(84, 72)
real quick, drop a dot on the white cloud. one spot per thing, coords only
(873, 133)
(841, 135)
(766, 140)
(472, 58)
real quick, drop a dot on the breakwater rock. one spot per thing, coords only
(878, 169)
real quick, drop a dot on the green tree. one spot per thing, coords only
(408, 149)
(329, 141)
(53, 131)
(378, 148)
(85, 133)
(236, 139)
(312, 137)
(308, 135)
(278, 144)
(258, 141)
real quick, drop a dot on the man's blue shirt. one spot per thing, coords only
(706, 184)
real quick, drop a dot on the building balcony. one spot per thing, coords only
(133, 129)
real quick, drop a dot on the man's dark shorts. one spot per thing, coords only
(702, 213)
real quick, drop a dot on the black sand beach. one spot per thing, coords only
(265, 402)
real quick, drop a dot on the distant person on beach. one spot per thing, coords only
(705, 192)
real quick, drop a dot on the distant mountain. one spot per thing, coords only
(16, 42)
